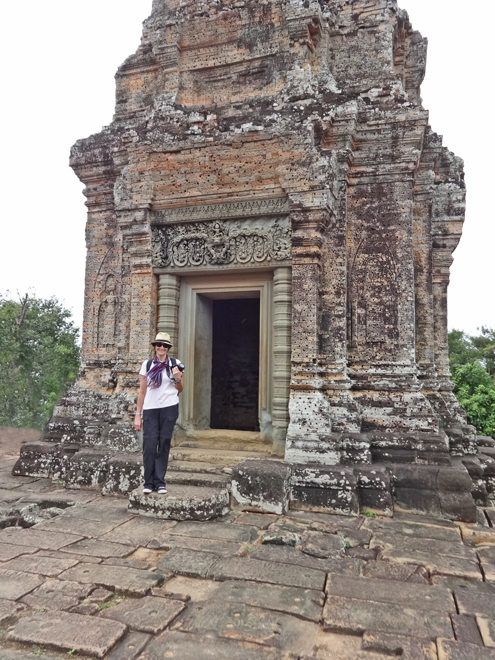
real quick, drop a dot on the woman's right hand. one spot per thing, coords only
(138, 422)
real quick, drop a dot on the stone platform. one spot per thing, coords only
(80, 574)
(181, 503)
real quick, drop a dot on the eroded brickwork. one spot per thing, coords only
(315, 106)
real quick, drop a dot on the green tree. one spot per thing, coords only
(472, 362)
(39, 356)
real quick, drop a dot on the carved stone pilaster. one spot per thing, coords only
(168, 308)
(282, 324)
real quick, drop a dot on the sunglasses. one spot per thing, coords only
(159, 344)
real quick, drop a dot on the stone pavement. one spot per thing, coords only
(82, 576)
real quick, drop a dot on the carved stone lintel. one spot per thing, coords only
(237, 243)
(240, 209)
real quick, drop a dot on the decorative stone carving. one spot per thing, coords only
(241, 209)
(220, 243)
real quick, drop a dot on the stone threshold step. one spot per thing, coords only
(181, 503)
(197, 478)
(216, 456)
(191, 466)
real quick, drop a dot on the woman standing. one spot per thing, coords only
(158, 406)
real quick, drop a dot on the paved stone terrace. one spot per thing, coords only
(84, 577)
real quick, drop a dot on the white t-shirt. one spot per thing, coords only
(163, 396)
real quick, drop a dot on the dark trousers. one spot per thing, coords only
(158, 426)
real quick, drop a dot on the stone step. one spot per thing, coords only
(191, 466)
(197, 478)
(223, 457)
(181, 503)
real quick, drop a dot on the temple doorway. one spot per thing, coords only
(235, 364)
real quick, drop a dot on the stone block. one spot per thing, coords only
(183, 503)
(125, 473)
(189, 646)
(87, 468)
(417, 596)
(39, 538)
(67, 632)
(477, 603)
(96, 548)
(324, 499)
(129, 647)
(374, 489)
(130, 581)
(348, 615)
(217, 547)
(39, 565)
(8, 610)
(303, 603)
(434, 547)
(449, 650)
(215, 530)
(56, 594)
(466, 629)
(251, 625)
(487, 629)
(436, 565)
(261, 486)
(181, 561)
(259, 520)
(233, 568)
(149, 614)
(406, 648)
(8, 551)
(323, 545)
(35, 459)
(287, 555)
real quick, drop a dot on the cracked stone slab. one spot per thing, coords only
(431, 546)
(8, 609)
(129, 581)
(323, 545)
(8, 551)
(304, 603)
(417, 596)
(258, 520)
(37, 538)
(129, 647)
(448, 650)
(436, 565)
(61, 554)
(40, 565)
(73, 524)
(458, 583)
(225, 548)
(480, 604)
(67, 631)
(218, 531)
(186, 589)
(188, 646)
(351, 616)
(385, 570)
(407, 648)
(14, 584)
(286, 555)
(97, 548)
(390, 527)
(150, 615)
(139, 531)
(233, 568)
(57, 595)
(466, 629)
(251, 624)
(191, 563)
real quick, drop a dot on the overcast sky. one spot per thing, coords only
(60, 57)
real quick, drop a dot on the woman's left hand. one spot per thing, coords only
(177, 374)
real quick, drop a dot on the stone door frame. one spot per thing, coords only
(183, 311)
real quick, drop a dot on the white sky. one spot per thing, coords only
(60, 57)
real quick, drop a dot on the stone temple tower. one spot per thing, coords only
(271, 194)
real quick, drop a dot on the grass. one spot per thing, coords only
(37, 650)
(105, 606)
(369, 513)
(71, 653)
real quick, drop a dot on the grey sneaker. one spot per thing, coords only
(161, 490)
(147, 491)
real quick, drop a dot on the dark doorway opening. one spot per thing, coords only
(235, 364)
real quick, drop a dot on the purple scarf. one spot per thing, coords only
(154, 375)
